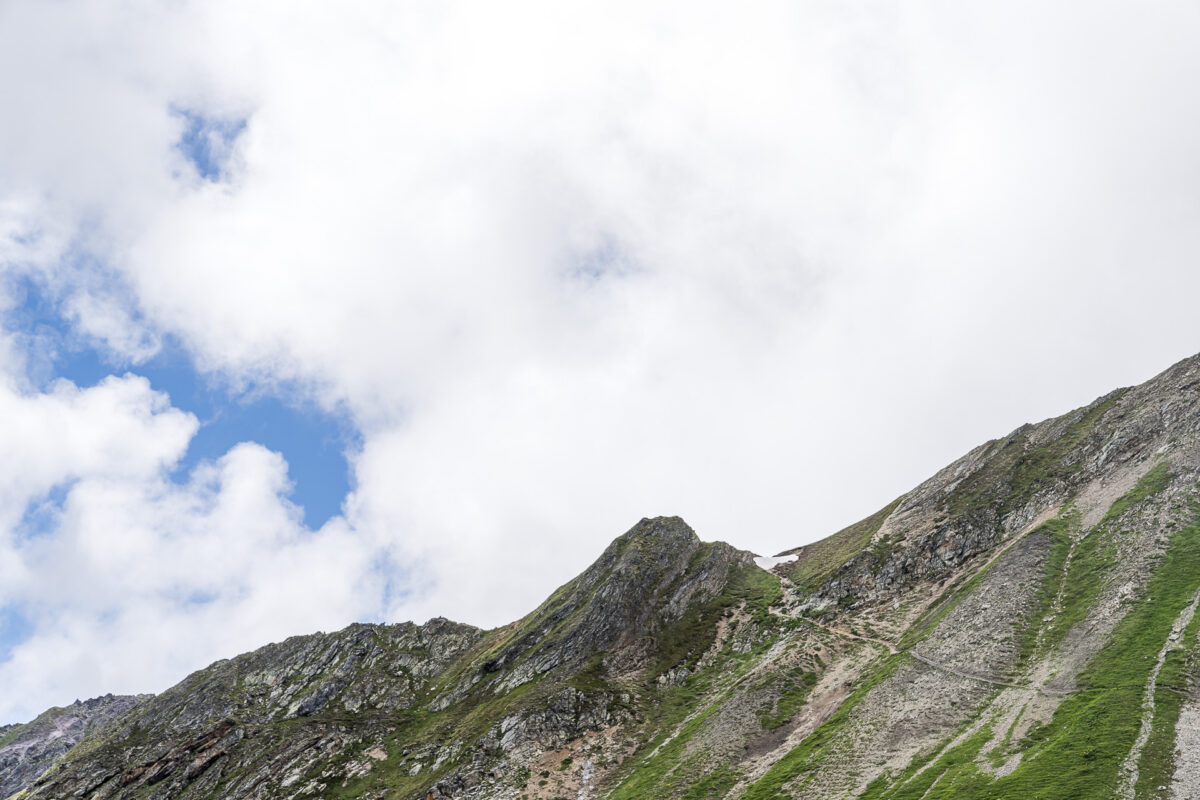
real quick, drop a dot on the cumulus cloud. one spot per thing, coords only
(130, 579)
(764, 267)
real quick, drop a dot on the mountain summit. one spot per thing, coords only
(1022, 624)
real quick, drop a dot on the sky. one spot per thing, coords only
(313, 313)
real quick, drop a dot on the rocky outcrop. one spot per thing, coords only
(1003, 486)
(29, 750)
(644, 581)
(224, 717)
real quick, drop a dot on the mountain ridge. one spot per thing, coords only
(1017, 623)
(27, 750)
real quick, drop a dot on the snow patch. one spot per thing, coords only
(766, 562)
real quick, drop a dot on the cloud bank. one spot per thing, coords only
(562, 267)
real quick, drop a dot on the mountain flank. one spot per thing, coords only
(26, 751)
(1022, 624)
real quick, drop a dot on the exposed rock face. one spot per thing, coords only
(230, 717)
(1001, 487)
(1021, 624)
(28, 750)
(644, 581)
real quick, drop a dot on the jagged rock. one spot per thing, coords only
(28, 750)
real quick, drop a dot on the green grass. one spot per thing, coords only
(966, 583)
(806, 757)
(662, 772)
(1077, 755)
(1015, 470)
(592, 676)
(795, 686)
(1095, 555)
(678, 644)
(816, 562)
(1059, 531)
(958, 590)
(1004, 749)
(1175, 683)
(944, 775)
(684, 642)
(713, 786)
(655, 772)
(658, 769)
(11, 736)
(1154, 481)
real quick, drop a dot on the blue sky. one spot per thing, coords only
(314, 442)
(764, 268)
(207, 141)
(15, 628)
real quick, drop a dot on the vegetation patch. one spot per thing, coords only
(1095, 556)
(1078, 754)
(958, 590)
(795, 685)
(806, 757)
(816, 562)
(1016, 469)
(659, 768)
(1153, 482)
(1053, 567)
(713, 786)
(11, 735)
(749, 588)
(663, 771)
(1175, 685)
(950, 774)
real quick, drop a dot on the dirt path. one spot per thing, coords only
(848, 635)
(967, 575)
(971, 676)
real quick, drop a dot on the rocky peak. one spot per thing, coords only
(647, 578)
(659, 533)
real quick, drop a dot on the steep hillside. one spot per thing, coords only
(1022, 624)
(26, 751)
(374, 710)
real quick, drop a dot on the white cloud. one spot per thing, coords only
(137, 580)
(118, 429)
(765, 267)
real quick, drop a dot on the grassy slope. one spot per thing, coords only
(817, 561)
(679, 645)
(14, 733)
(1093, 730)
(1175, 684)
(657, 768)
(1015, 470)
(1078, 754)
(807, 756)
